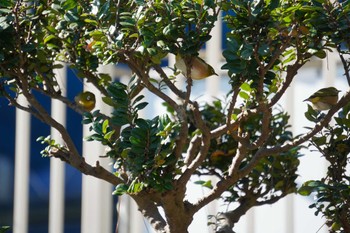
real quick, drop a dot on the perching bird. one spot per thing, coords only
(199, 68)
(324, 98)
(222, 159)
(86, 100)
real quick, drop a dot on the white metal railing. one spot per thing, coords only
(57, 171)
(286, 216)
(22, 148)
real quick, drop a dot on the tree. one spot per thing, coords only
(244, 140)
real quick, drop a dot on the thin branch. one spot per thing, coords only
(182, 115)
(168, 82)
(205, 145)
(193, 149)
(265, 127)
(292, 70)
(183, 133)
(242, 152)
(262, 152)
(145, 80)
(233, 125)
(79, 163)
(71, 155)
(93, 78)
(345, 65)
(233, 216)
(228, 181)
(14, 103)
(232, 105)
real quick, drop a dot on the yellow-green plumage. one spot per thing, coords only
(199, 68)
(86, 100)
(324, 98)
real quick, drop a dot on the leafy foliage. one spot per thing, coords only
(332, 192)
(4, 229)
(144, 148)
(244, 139)
(273, 175)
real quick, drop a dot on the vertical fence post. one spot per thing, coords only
(57, 167)
(329, 73)
(22, 160)
(213, 57)
(329, 68)
(289, 200)
(96, 194)
(212, 88)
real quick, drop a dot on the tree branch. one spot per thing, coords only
(345, 65)
(228, 181)
(193, 149)
(71, 154)
(167, 81)
(205, 145)
(265, 127)
(292, 70)
(262, 152)
(79, 163)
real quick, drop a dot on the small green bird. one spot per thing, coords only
(324, 98)
(86, 100)
(199, 68)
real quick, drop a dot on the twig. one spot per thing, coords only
(345, 65)
(167, 81)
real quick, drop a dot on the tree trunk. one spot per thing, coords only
(177, 213)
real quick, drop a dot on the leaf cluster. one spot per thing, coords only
(332, 192)
(144, 150)
(246, 142)
(273, 175)
(4, 229)
(267, 36)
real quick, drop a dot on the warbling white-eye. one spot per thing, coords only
(199, 68)
(324, 98)
(86, 100)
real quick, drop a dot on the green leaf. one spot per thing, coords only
(104, 10)
(319, 140)
(120, 189)
(91, 21)
(86, 121)
(69, 4)
(125, 153)
(108, 135)
(94, 137)
(246, 87)
(48, 38)
(107, 100)
(3, 229)
(247, 52)
(143, 124)
(321, 54)
(141, 106)
(135, 141)
(310, 186)
(135, 187)
(138, 98)
(105, 126)
(206, 184)
(96, 35)
(70, 17)
(311, 114)
(244, 95)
